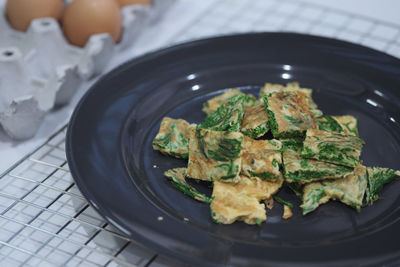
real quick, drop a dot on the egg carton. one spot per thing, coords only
(40, 70)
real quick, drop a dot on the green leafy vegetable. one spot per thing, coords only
(328, 123)
(289, 113)
(332, 147)
(296, 188)
(353, 130)
(228, 117)
(173, 138)
(178, 180)
(377, 177)
(230, 168)
(312, 199)
(264, 175)
(258, 131)
(293, 120)
(283, 202)
(294, 144)
(349, 190)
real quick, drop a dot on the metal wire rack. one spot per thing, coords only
(45, 221)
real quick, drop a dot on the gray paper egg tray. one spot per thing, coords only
(40, 70)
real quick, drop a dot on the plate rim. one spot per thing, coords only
(153, 245)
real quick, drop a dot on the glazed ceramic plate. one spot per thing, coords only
(111, 158)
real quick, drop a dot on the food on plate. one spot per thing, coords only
(255, 120)
(303, 170)
(328, 123)
(214, 155)
(214, 103)
(349, 124)
(289, 113)
(178, 179)
(241, 201)
(292, 86)
(248, 149)
(350, 190)
(227, 117)
(83, 18)
(341, 124)
(287, 212)
(261, 158)
(173, 138)
(377, 177)
(332, 147)
(20, 13)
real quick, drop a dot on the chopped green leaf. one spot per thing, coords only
(173, 138)
(178, 180)
(328, 123)
(349, 190)
(377, 177)
(228, 117)
(283, 202)
(296, 188)
(332, 147)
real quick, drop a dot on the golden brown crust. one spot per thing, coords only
(206, 168)
(261, 158)
(241, 201)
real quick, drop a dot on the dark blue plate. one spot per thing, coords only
(111, 158)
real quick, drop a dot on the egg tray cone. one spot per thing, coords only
(40, 70)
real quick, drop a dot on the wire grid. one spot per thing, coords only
(45, 221)
(238, 16)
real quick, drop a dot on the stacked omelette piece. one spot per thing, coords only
(249, 148)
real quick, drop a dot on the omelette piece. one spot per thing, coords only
(308, 92)
(261, 158)
(214, 103)
(295, 144)
(241, 201)
(173, 137)
(222, 146)
(214, 155)
(228, 117)
(287, 212)
(349, 190)
(328, 123)
(301, 170)
(250, 100)
(211, 105)
(292, 86)
(377, 177)
(255, 120)
(177, 177)
(332, 147)
(269, 88)
(289, 114)
(348, 123)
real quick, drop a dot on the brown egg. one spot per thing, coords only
(133, 2)
(82, 18)
(20, 13)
